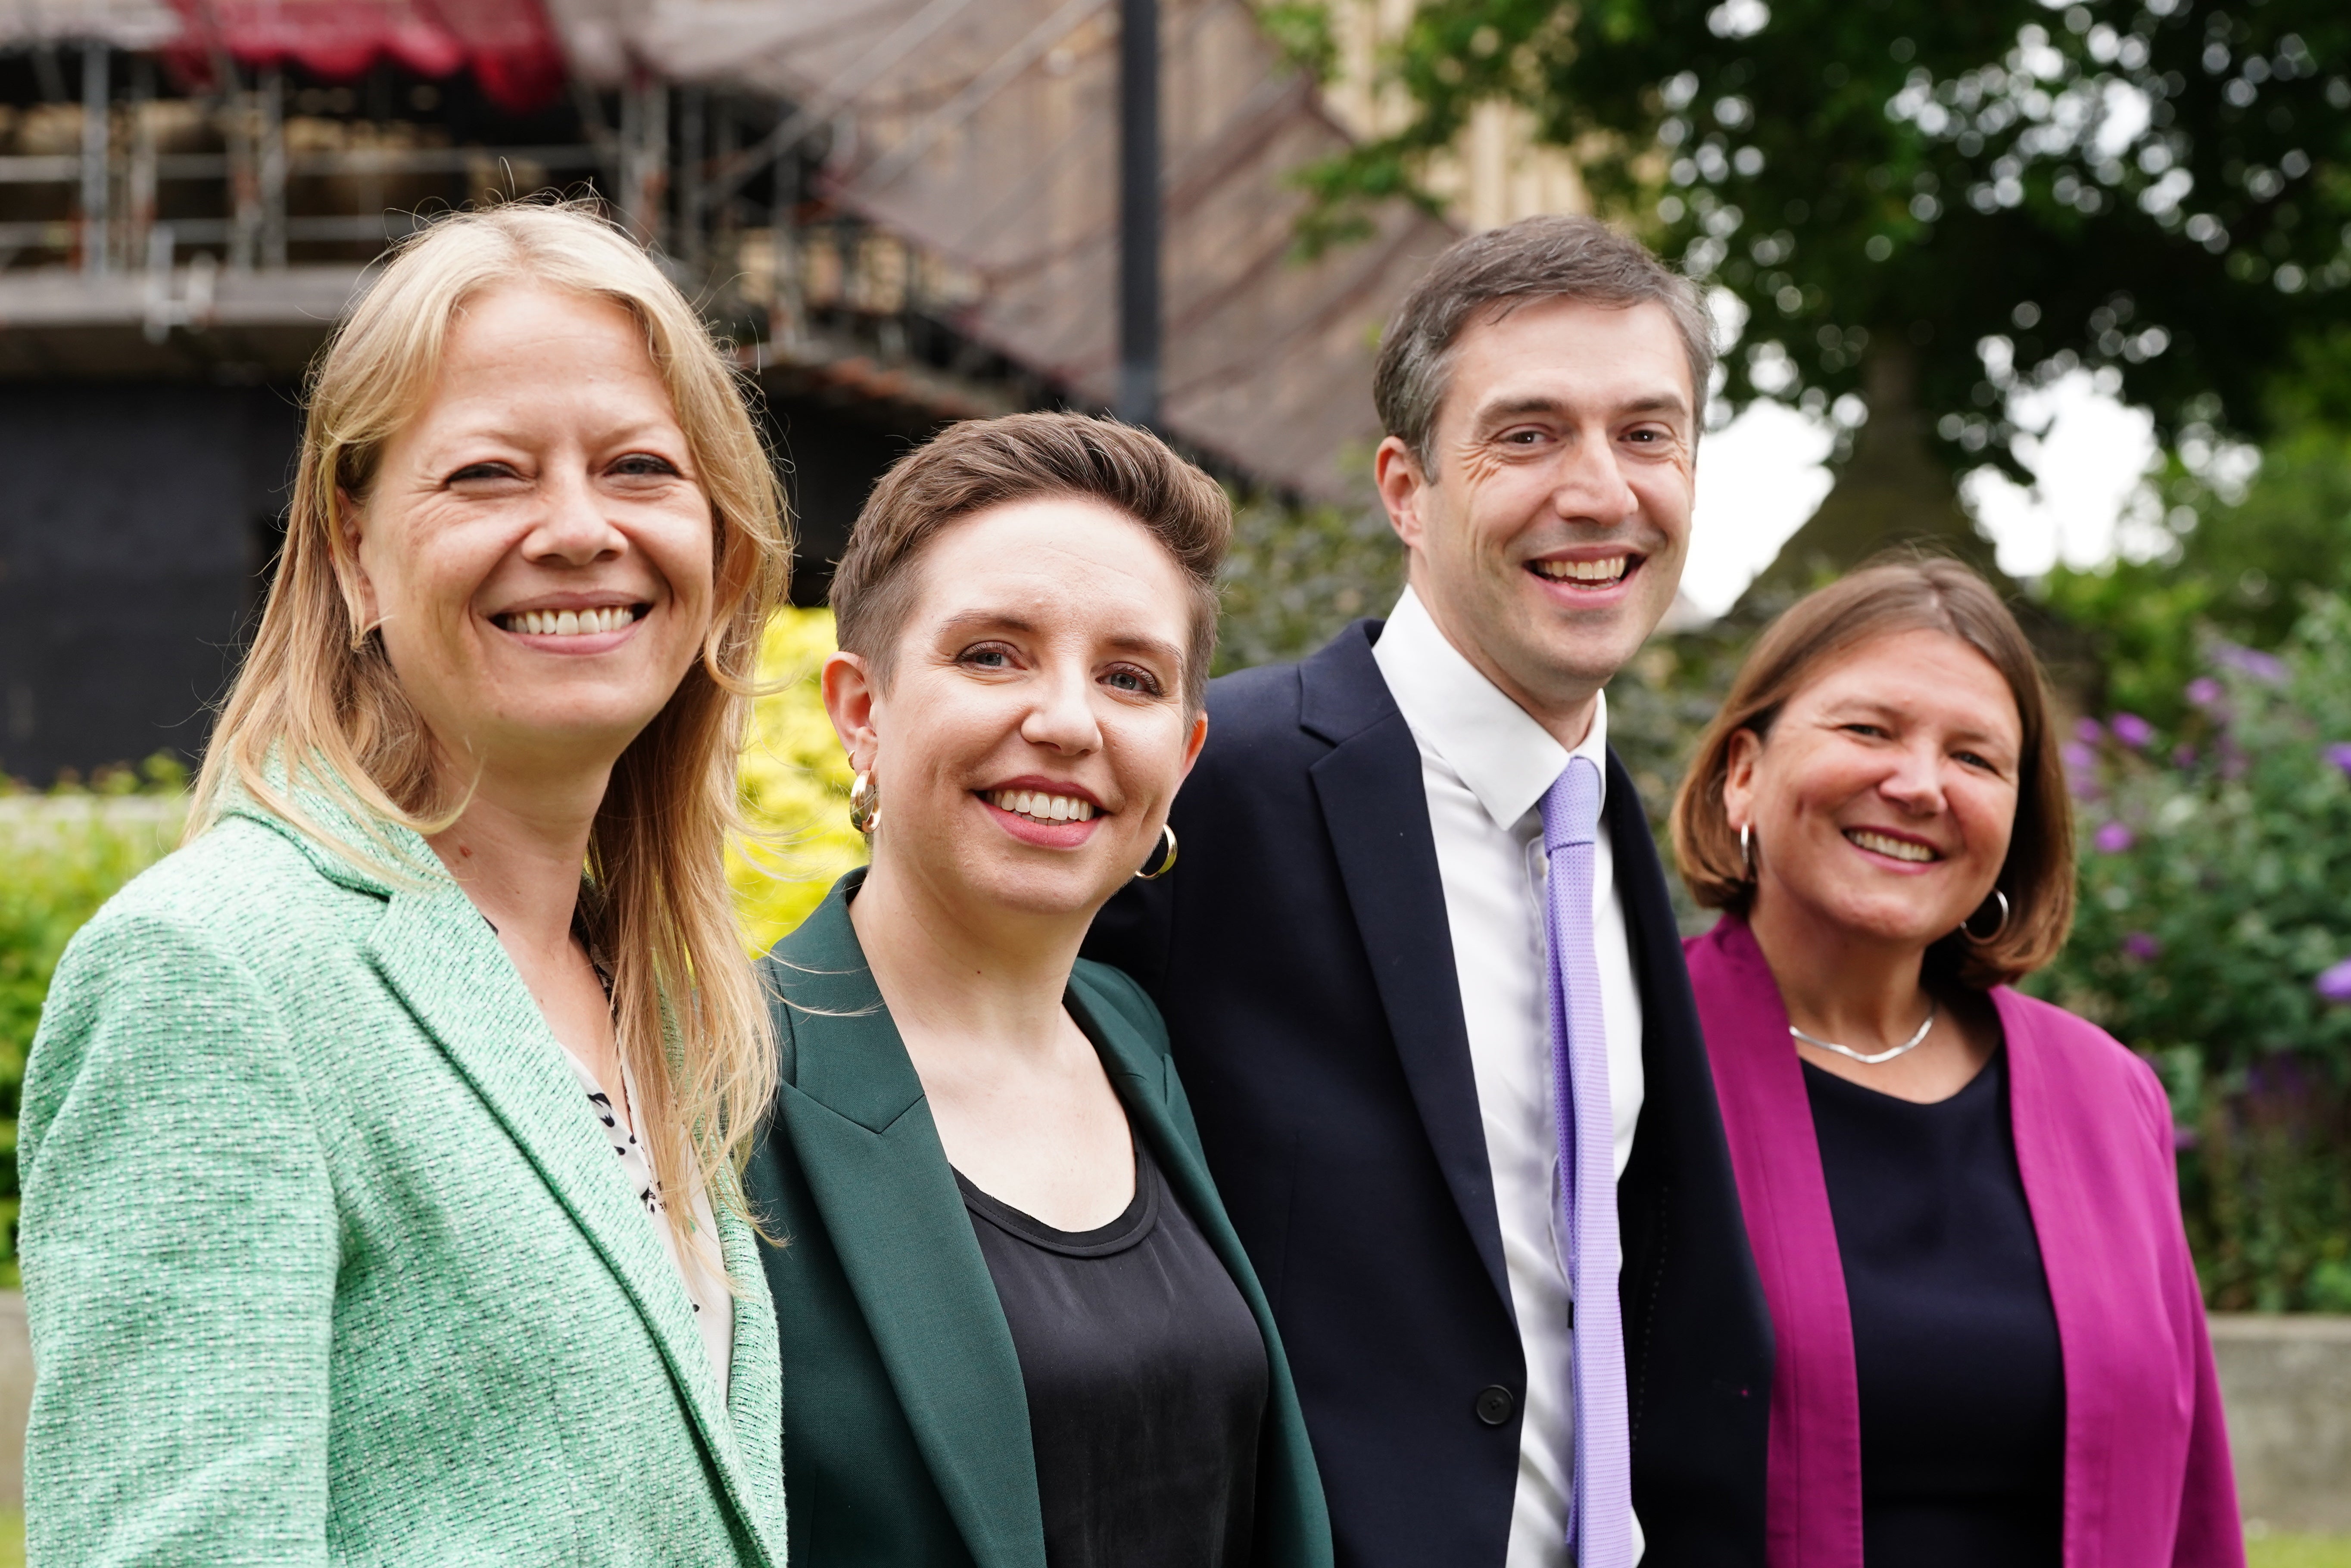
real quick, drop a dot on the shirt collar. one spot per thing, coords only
(1506, 759)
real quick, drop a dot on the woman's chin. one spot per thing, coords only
(1063, 885)
(1882, 922)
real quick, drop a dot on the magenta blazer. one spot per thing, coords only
(2148, 1481)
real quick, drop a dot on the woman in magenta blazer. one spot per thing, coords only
(1990, 1345)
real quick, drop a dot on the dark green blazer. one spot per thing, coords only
(906, 1424)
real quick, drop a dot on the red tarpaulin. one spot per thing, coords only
(508, 45)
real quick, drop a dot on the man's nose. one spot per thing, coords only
(1592, 486)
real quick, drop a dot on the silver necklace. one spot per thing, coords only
(1910, 1044)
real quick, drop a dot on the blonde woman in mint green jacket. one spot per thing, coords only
(378, 1149)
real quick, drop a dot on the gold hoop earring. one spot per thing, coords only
(1968, 931)
(1167, 861)
(864, 802)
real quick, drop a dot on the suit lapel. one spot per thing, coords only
(878, 1175)
(439, 956)
(1375, 809)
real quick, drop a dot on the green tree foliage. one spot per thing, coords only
(2004, 189)
(2241, 568)
(2213, 936)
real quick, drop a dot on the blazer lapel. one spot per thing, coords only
(442, 960)
(1375, 809)
(1813, 1501)
(439, 956)
(875, 1169)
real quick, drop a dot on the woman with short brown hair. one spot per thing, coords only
(1990, 1344)
(1018, 1327)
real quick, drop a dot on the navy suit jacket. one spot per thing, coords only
(1301, 954)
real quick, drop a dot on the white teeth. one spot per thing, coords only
(1895, 848)
(1607, 570)
(1039, 806)
(570, 623)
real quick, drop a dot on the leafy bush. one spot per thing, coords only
(2213, 935)
(795, 788)
(1297, 574)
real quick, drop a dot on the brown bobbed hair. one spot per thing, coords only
(1884, 599)
(318, 712)
(981, 463)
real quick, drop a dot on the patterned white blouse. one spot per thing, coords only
(712, 1303)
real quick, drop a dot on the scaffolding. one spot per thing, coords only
(909, 199)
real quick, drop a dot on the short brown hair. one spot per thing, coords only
(1884, 599)
(981, 463)
(1489, 275)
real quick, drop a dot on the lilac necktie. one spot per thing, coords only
(1599, 1516)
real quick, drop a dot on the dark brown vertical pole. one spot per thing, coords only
(1138, 212)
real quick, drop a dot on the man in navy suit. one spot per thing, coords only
(1352, 961)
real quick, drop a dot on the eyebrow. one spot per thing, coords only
(1655, 403)
(979, 620)
(1878, 708)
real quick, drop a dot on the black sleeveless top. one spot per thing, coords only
(1146, 1381)
(1955, 1344)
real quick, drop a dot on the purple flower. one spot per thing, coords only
(2142, 947)
(2183, 757)
(2204, 691)
(2089, 731)
(2339, 754)
(2112, 838)
(2334, 983)
(2079, 757)
(2184, 1138)
(2265, 667)
(2132, 731)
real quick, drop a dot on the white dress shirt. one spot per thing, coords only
(1486, 766)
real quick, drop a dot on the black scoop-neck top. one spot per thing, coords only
(1962, 1384)
(1146, 1381)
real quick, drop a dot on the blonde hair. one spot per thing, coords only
(317, 707)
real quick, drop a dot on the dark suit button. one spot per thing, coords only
(1495, 1405)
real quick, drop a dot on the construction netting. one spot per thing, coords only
(986, 131)
(983, 131)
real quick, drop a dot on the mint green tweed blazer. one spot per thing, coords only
(328, 1261)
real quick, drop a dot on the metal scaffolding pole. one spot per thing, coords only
(273, 168)
(95, 113)
(1138, 212)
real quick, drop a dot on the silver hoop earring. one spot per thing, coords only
(1167, 856)
(1746, 847)
(1968, 931)
(864, 802)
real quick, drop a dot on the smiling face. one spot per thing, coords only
(1031, 730)
(535, 545)
(1883, 801)
(1548, 540)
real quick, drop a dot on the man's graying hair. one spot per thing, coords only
(1490, 274)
